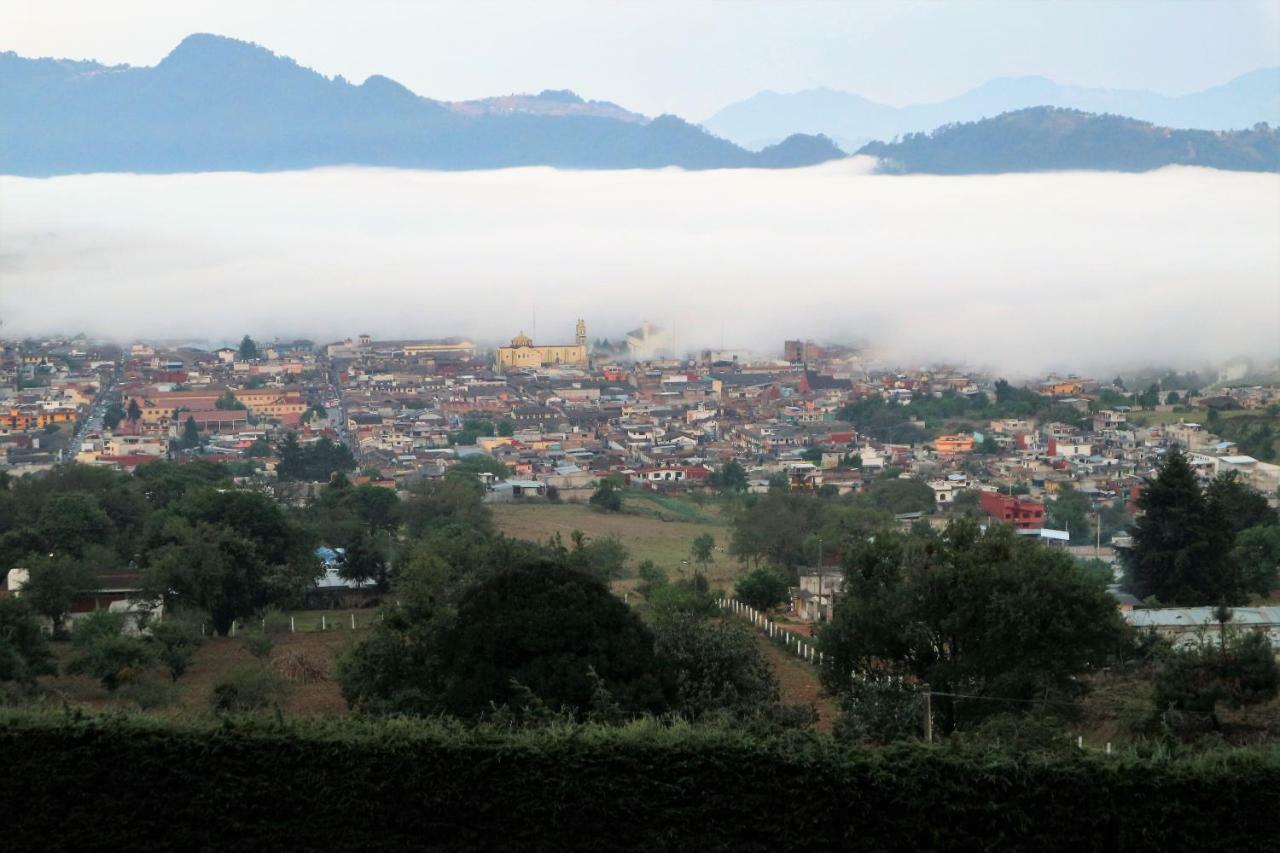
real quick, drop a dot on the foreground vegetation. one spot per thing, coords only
(255, 783)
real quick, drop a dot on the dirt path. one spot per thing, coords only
(799, 684)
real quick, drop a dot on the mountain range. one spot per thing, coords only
(1039, 139)
(216, 103)
(852, 120)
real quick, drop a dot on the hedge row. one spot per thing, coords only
(126, 783)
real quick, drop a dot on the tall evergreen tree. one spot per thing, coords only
(248, 349)
(190, 433)
(1181, 542)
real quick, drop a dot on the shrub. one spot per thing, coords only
(762, 589)
(249, 688)
(299, 668)
(107, 654)
(258, 643)
(607, 497)
(24, 652)
(682, 597)
(717, 666)
(275, 621)
(1239, 670)
(149, 692)
(176, 640)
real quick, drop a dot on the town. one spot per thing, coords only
(1062, 459)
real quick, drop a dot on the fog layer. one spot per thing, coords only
(1023, 272)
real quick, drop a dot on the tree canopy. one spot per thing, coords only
(968, 612)
(1185, 536)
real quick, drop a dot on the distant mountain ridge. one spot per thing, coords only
(216, 103)
(852, 120)
(1053, 139)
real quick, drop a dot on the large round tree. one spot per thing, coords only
(545, 628)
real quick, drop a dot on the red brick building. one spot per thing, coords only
(1022, 512)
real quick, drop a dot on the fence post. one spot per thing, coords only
(324, 625)
(353, 621)
(292, 629)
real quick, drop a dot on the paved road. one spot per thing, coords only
(93, 419)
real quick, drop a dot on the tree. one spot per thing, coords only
(812, 455)
(775, 528)
(731, 477)
(315, 463)
(476, 464)
(967, 503)
(973, 612)
(506, 427)
(1256, 554)
(1240, 505)
(134, 411)
(176, 640)
(1069, 511)
(437, 503)
(1181, 542)
(1150, 398)
(1172, 398)
(604, 557)
(702, 549)
(248, 349)
(258, 449)
(536, 631)
(190, 433)
(717, 666)
(104, 651)
(53, 586)
(24, 653)
(230, 554)
(364, 559)
(900, 496)
(70, 522)
(651, 577)
(228, 401)
(763, 589)
(113, 415)
(606, 496)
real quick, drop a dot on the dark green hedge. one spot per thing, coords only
(134, 784)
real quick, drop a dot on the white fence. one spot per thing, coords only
(802, 647)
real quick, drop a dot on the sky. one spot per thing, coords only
(1092, 272)
(689, 57)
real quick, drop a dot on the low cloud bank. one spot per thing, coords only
(1021, 272)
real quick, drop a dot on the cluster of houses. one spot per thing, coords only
(561, 417)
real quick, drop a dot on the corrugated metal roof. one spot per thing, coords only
(1192, 617)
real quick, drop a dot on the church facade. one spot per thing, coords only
(522, 353)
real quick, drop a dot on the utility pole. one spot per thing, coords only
(928, 714)
(1097, 535)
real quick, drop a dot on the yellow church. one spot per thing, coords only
(522, 353)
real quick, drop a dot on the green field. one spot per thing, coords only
(652, 527)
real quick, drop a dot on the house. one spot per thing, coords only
(1187, 627)
(815, 598)
(506, 491)
(1022, 512)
